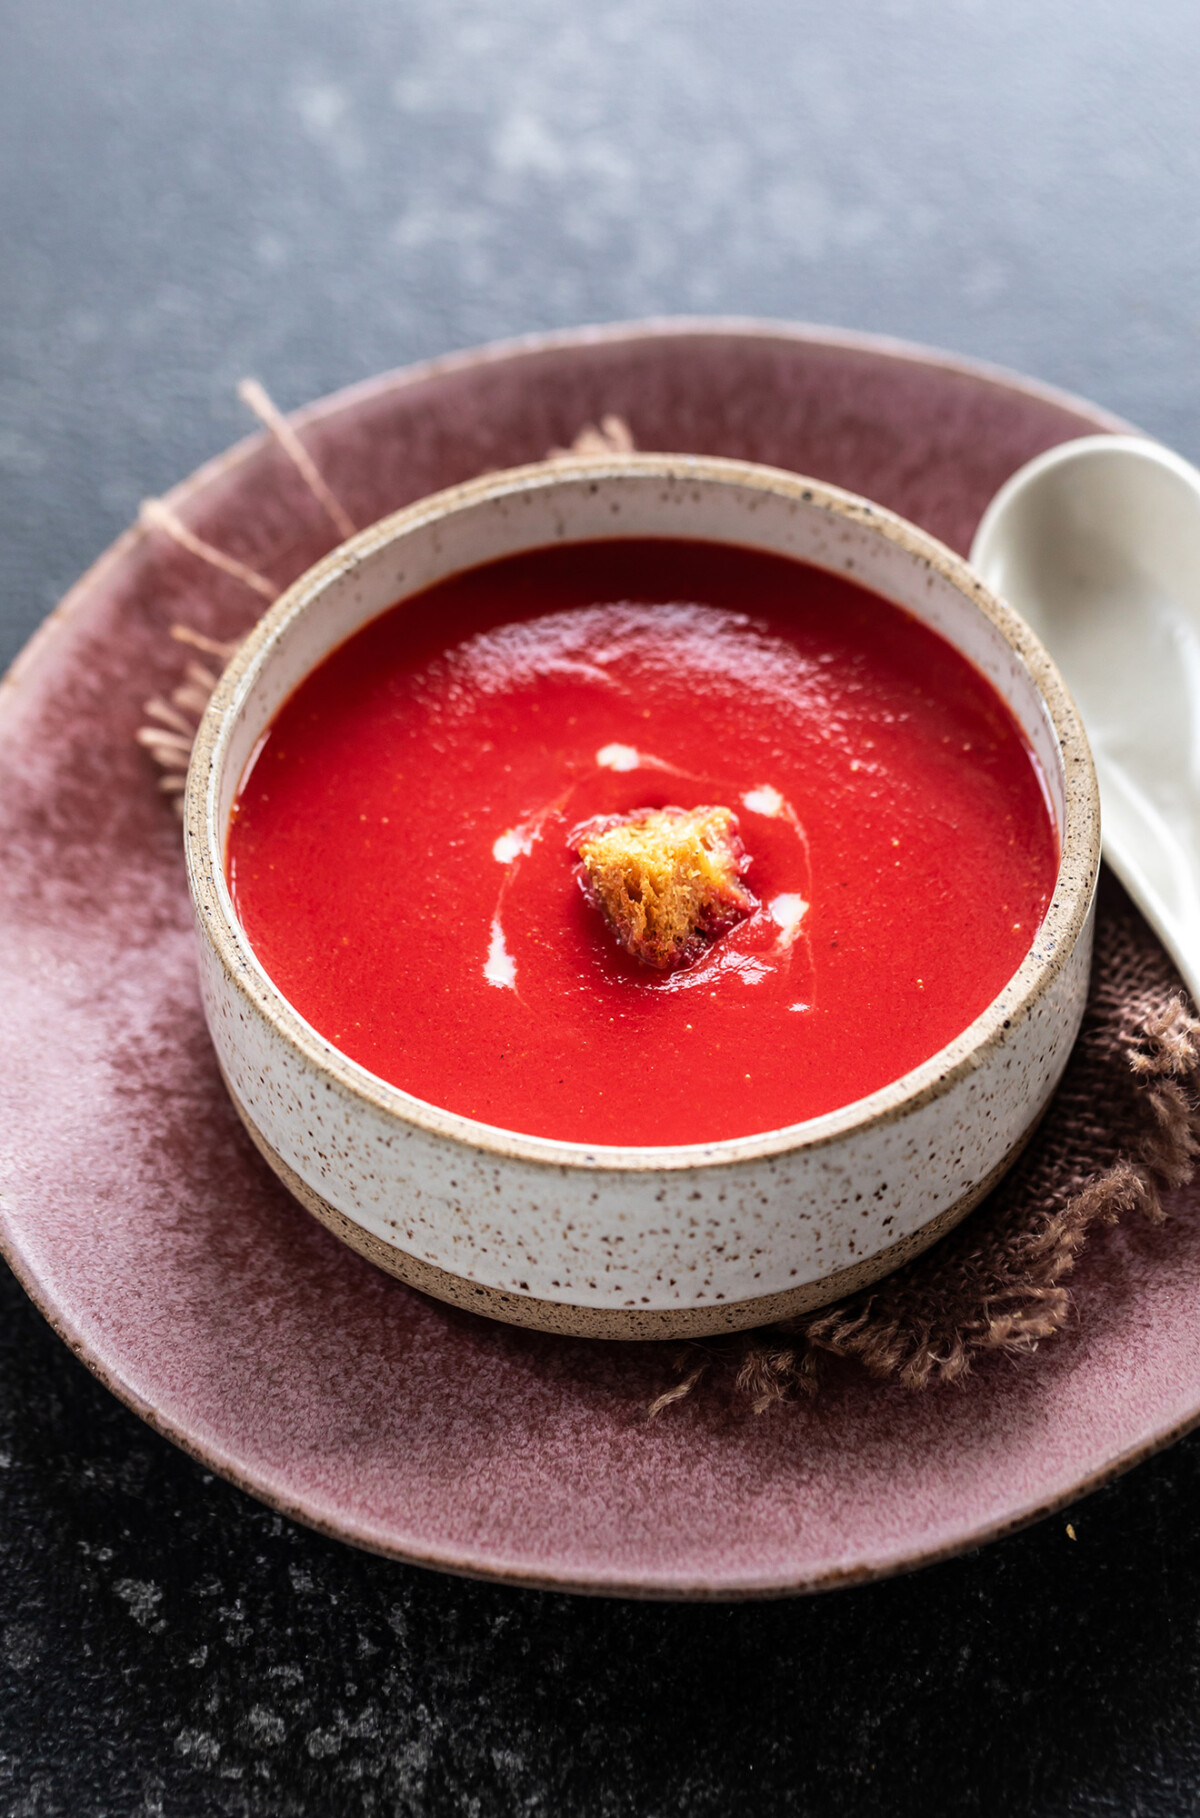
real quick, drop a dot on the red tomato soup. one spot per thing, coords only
(400, 851)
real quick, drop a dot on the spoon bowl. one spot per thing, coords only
(1097, 545)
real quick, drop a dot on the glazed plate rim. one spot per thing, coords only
(268, 1484)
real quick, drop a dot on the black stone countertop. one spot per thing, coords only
(312, 193)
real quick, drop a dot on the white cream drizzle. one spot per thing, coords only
(619, 757)
(515, 842)
(787, 912)
(499, 967)
(765, 800)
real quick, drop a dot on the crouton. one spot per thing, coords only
(668, 881)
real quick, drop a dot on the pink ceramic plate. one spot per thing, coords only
(146, 1228)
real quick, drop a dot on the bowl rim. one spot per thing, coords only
(1065, 919)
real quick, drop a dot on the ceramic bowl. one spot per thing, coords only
(716, 1236)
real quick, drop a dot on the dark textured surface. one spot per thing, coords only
(170, 1647)
(313, 193)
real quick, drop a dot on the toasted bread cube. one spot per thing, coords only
(668, 881)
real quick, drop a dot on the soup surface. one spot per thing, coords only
(400, 852)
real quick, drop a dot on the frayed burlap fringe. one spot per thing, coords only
(1123, 1129)
(172, 723)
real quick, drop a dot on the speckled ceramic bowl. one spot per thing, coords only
(714, 1237)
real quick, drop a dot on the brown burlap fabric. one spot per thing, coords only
(1123, 1128)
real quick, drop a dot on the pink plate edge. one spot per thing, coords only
(266, 1487)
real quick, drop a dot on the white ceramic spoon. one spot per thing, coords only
(1097, 545)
